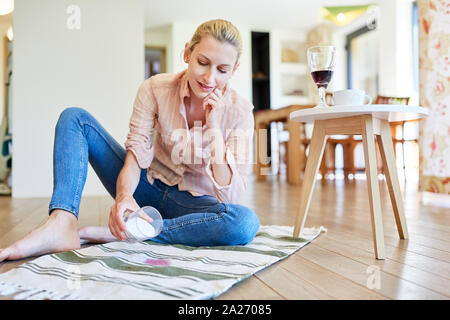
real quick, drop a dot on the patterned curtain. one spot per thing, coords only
(434, 74)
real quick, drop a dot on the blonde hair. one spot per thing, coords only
(221, 30)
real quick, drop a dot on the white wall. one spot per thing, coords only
(98, 67)
(396, 72)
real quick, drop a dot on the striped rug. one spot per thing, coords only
(149, 270)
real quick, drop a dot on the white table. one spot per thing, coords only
(368, 121)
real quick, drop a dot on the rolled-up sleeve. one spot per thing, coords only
(142, 124)
(238, 148)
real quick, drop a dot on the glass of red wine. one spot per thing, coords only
(321, 61)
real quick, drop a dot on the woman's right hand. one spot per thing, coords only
(124, 203)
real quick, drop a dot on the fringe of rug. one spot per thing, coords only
(22, 293)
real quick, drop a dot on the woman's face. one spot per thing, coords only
(210, 65)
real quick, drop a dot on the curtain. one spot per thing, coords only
(434, 89)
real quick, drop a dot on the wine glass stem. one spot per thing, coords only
(322, 96)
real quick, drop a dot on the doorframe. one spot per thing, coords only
(348, 41)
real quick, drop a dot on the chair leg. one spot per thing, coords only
(315, 154)
(379, 162)
(393, 129)
(331, 158)
(352, 157)
(322, 166)
(349, 162)
(387, 155)
(373, 188)
(403, 146)
(280, 158)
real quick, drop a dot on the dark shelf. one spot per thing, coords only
(261, 75)
(261, 70)
(261, 79)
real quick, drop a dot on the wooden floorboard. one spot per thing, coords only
(336, 265)
(328, 281)
(439, 283)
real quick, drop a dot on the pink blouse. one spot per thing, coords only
(162, 142)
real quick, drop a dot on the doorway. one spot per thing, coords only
(362, 60)
(5, 127)
(155, 61)
(261, 76)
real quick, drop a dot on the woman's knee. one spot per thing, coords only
(70, 114)
(243, 224)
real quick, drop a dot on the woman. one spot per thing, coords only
(193, 185)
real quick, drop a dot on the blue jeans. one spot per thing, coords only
(188, 220)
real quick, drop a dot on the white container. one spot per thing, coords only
(351, 97)
(143, 224)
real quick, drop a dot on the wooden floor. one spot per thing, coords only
(338, 264)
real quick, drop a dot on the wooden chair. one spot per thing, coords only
(294, 155)
(398, 124)
(349, 143)
(327, 164)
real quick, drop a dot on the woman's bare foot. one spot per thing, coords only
(57, 234)
(96, 234)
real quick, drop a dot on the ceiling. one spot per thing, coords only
(259, 14)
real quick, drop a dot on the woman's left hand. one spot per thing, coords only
(214, 105)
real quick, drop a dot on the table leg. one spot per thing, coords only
(316, 149)
(256, 166)
(373, 188)
(390, 169)
(294, 161)
(261, 168)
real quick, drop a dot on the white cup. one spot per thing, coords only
(351, 97)
(143, 224)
